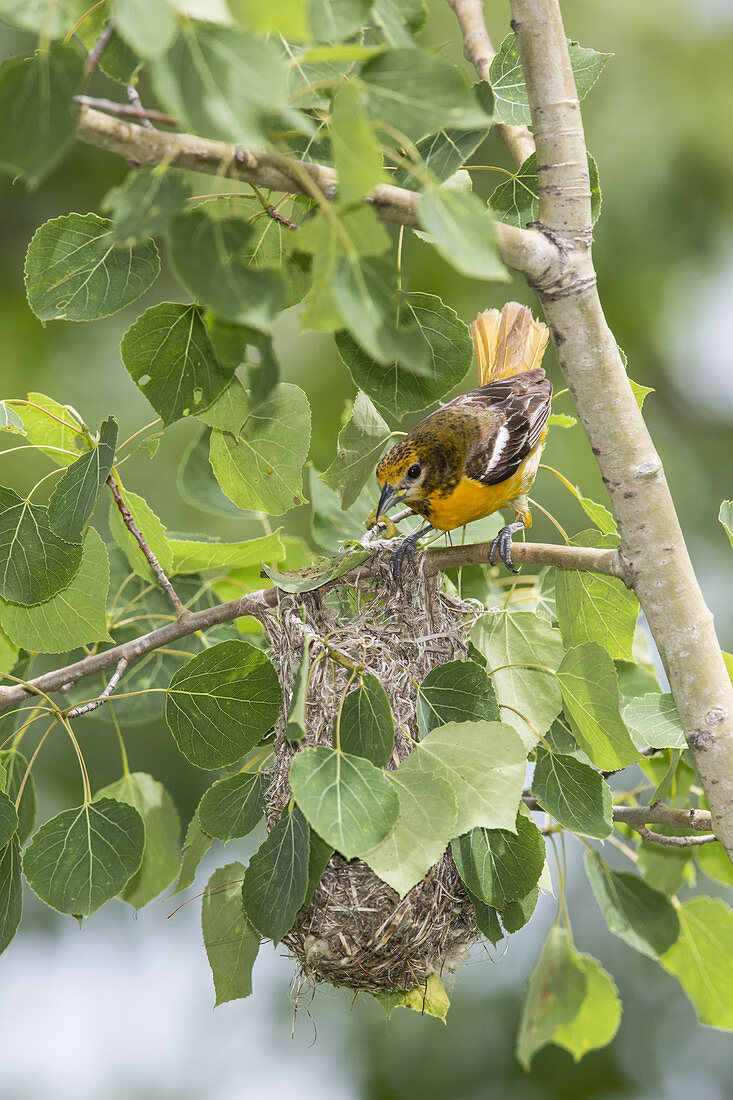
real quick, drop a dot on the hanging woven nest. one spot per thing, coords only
(356, 931)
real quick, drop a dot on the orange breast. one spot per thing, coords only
(471, 500)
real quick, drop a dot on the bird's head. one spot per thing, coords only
(402, 474)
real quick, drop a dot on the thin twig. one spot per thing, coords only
(675, 841)
(145, 116)
(96, 53)
(133, 109)
(76, 712)
(181, 612)
(478, 49)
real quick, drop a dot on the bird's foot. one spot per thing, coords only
(501, 547)
(406, 549)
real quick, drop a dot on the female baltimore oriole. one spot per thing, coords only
(480, 452)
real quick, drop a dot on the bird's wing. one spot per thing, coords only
(513, 414)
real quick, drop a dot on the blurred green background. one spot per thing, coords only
(123, 1006)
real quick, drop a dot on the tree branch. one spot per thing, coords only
(181, 612)
(656, 562)
(638, 817)
(86, 708)
(259, 604)
(478, 49)
(525, 250)
(133, 109)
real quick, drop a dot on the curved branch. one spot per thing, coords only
(479, 50)
(525, 250)
(259, 604)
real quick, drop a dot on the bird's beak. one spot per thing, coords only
(389, 497)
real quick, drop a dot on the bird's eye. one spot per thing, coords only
(414, 471)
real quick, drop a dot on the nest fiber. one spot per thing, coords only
(357, 931)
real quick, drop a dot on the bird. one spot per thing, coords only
(480, 452)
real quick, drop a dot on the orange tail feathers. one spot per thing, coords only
(507, 343)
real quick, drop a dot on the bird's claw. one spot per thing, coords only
(502, 546)
(405, 550)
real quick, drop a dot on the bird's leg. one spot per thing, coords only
(502, 544)
(406, 548)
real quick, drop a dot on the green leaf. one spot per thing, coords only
(74, 271)
(571, 1001)
(146, 203)
(211, 259)
(190, 556)
(85, 856)
(484, 763)
(161, 856)
(270, 243)
(16, 766)
(222, 702)
(276, 879)
(365, 290)
(76, 492)
(397, 21)
(350, 803)
(356, 152)
(287, 18)
(664, 868)
(573, 793)
(516, 201)
(10, 421)
(11, 893)
(42, 16)
(74, 617)
(332, 20)
(262, 467)
(417, 93)
(712, 859)
(425, 825)
(429, 999)
(642, 917)
(510, 89)
(725, 515)
(315, 576)
(498, 866)
(441, 155)
(8, 820)
(701, 959)
(168, 353)
(487, 919)
(319, 856)
(397, 388)
(37, 110)
(149, 26)
(229, 411)
(653, 722)
(35, 563)
(8, 650)
(589, 688)
(639, 391)
(152, 529)
(515, 640)
(53, 428)
(462, 230)
(516, 914)
(366, 723)
(196, 482)
(360, 445)
(592, 607)
(221, 82)
(459, 691)
(234, 805)
(230, 940)
(195, 847)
